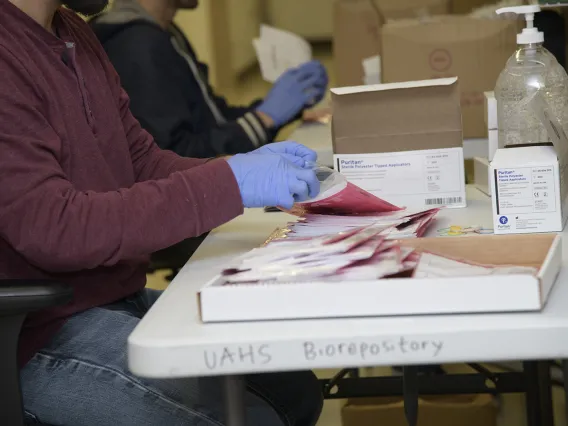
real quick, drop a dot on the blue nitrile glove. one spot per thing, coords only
(295, 90)
(320, 87)
(271, 180)
(292, 151)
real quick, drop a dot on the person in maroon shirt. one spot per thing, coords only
(86, 196)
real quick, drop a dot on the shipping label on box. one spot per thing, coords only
(529, 191)
(402, 141)
(427, 178)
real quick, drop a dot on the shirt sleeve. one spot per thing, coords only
(60, 228)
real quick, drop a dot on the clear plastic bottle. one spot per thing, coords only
(532, 90)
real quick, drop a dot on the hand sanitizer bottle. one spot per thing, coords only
(532, 90)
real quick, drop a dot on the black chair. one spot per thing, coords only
(18, 298)
(175, 257)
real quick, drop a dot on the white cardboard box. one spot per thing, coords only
(491, 111)
(403, 296)
(529, 190)
(492, 124)
(493, 142)
(426, 178)
(482, 175)
(402, 142)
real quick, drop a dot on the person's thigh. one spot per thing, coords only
(81, 379)
(296, 396)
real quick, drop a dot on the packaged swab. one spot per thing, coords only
(339, 197)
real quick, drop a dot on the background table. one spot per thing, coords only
(318, 137)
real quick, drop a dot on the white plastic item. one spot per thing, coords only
(531, 91)
(530, 34)
(337, 196)
(331, 182)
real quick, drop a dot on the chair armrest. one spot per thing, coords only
(17, 299)
(23, 296)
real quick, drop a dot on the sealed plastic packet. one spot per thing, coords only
(339, 197)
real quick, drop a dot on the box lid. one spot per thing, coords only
(451, 29)
(396, 9)
(396, 117)
(524, 156)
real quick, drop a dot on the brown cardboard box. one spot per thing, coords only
(475, 50)
(356, 30)
(408, 116)
(465, 410)
(384, 134)
(407, 9)
(462, 7)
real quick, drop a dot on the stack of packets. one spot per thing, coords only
(358, 254)
(342, 206)
(397, 225)
(348, 234)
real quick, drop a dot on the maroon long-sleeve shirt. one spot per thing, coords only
(85, 194)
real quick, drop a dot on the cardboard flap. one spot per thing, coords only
(526, 250)
(397, 117)
(397, 9)
(451, 29)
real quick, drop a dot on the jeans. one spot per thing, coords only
(81, 379)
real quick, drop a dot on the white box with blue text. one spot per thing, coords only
(529, 190)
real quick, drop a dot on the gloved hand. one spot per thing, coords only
(292, 151)
(295, 90)
(271, 180)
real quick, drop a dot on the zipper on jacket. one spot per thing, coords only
(71, 62)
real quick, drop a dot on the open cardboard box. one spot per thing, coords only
(463, 410)
(402, 142)
(403, 296)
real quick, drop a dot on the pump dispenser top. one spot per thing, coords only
(530, 34)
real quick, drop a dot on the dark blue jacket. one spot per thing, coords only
(170, 92)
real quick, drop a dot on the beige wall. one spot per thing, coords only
(309, 18)
(245, 17)
(197, 26)
(221, 32)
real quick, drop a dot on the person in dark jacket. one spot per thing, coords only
(170, 91)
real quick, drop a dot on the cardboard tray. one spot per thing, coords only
(507, 293)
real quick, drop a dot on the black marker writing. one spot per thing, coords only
(238, 355)
(370, 350)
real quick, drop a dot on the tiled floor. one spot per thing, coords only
(511, 407)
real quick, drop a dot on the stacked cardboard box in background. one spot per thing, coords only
(357, 24)
(475, 50)
(464, 410)
(418, 48)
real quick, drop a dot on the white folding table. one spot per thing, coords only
(172, 342)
